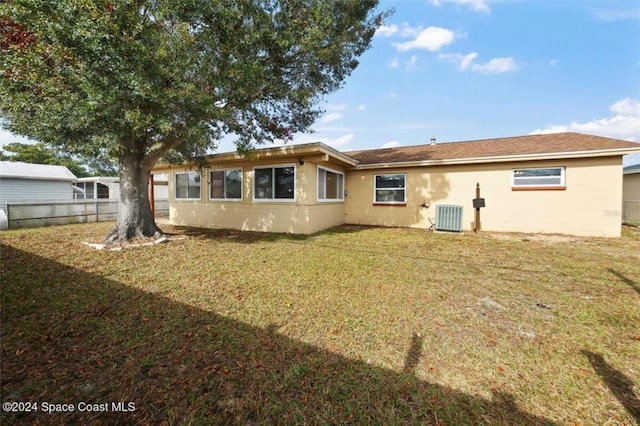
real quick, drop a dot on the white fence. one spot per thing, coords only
(43, 213)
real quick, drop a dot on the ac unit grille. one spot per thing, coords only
(448, 218)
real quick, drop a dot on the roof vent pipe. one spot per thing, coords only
(433, 141)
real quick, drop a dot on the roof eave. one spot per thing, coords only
(46, 178)
(502, 158)
(287, 151)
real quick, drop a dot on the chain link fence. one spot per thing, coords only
(43, 213)
(631, 211)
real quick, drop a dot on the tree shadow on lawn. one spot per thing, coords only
(619, 384)
(256, 237)
(628, 281)
(69, 336)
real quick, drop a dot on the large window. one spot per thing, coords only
(539, 178)
(330, 185)
(274, 183)
(226, 184)
(187, 186)
(390, 188)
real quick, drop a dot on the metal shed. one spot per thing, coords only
(34, 182)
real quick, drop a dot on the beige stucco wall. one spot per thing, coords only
(589, 206)
(305, 215)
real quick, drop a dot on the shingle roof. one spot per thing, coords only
(19, 170)
(488, 148)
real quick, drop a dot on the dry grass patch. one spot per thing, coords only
(353, 325)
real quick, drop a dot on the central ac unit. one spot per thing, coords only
(448, 218)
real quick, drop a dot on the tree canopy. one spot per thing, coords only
(41, 153)
(142, 79)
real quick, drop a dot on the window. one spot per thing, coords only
(187, 186)
(390, 189)
(274, 183)
(225, 184)
(539, 178)
(330, 185)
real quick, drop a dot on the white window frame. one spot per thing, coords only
(533, 185)
(237, 169)
(273, 182)
(175, 186)
(375, 189)
(339, 190)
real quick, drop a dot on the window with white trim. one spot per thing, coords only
(187, 186)
(390, 188)
(274, 183)
(225, 184)
(330, 185)
(542, 177)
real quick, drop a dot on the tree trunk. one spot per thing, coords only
(135, 218)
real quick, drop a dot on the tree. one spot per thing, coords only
(143, 79)
(40, 153)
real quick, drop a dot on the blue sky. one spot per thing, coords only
(475, 69)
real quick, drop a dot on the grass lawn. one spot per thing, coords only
(355, 325)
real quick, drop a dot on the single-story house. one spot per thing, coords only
(565, 183)
(34, 182)
(631, 193)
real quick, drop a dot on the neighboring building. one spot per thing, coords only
(34, 182)
(565, 183)
(631, 193)
(97, 187)
(104, 187)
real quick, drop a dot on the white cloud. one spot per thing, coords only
(336, 142)
(332, 116)
(412, 64)
(613, 15)
(624, 124)
(391, 144)
(8, 137)
(337, 107)
(395, 63)
(361, 107)
(626, 106)
(386, 30)
(431, 39)
(494, 66)
(475, 5)
(467, 60)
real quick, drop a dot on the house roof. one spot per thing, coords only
(316, 151)
(19, 170)
(558, 145)
(631, 169)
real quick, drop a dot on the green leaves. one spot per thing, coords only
(74, 71)
(142, 79)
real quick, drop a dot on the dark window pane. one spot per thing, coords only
(234, 184)
(263, 183)
(332, 186)
(390, 181)
(524, 173)
(217, 184)
(284, 182)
